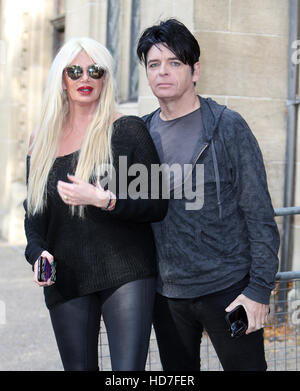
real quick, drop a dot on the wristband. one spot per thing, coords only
(109, 201)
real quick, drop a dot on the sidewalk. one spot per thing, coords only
(27, 341)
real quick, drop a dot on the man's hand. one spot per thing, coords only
(257, 313)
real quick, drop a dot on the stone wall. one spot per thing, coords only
(26, 33)
(244, 64)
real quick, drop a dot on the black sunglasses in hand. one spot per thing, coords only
(76, 71)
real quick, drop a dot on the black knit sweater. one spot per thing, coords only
(104, 249)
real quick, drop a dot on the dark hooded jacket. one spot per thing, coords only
(234, 234)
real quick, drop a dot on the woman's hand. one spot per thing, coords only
(50, 259)
(82, 193)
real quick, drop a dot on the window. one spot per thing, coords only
(58, 23)
(134, 71)
(123, 25)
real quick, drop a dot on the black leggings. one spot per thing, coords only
(127, 314)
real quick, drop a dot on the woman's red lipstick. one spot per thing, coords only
(85, 90)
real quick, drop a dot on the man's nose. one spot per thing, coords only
(163, 69)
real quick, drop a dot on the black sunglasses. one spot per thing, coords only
(94, 71)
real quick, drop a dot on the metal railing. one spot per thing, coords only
(281, 334)
(290, 210)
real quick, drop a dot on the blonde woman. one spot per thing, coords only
(100, 240)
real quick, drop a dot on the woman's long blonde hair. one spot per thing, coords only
(95, 153)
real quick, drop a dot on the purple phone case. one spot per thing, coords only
(47, 270)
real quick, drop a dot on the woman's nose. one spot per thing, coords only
(85, 75)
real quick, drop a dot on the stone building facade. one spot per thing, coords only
(244, 57)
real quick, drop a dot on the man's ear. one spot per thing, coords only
(196, 72)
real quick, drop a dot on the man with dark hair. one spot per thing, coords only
(223, 254)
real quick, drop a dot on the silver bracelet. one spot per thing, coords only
(109, 200)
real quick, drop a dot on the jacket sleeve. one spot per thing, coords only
(141, 199)
(249, 178)
(35, 231)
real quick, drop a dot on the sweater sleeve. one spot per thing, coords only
(34, 227)
(249, 177)
(35, 230)
(139, 198)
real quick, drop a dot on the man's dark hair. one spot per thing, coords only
(175, 36)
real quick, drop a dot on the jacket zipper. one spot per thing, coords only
(200, 153)
(195, 161)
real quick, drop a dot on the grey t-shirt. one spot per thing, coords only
(178, 140)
